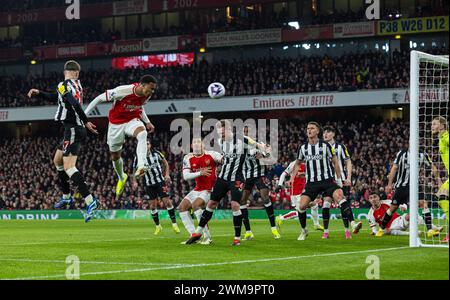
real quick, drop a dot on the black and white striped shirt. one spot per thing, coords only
(154, 173)
(402, 161)
(234, 153)
(342, 155)
(252, 167)
(66, 112)
(318, 161)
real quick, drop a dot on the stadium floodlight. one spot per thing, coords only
(294, 24)
(428, 101)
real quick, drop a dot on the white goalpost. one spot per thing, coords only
(428, 100)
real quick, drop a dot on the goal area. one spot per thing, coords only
(428, 102)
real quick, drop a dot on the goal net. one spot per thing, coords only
(428, 124)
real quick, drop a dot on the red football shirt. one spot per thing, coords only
(195, 163)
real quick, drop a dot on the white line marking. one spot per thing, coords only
(212, 264)
(88, 262)
(123, 240)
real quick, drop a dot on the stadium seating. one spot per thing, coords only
(353, 71)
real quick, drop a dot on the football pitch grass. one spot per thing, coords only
(127, 249)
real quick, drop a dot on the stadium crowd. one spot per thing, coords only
(274, 75)
(28, 179)
(211, 21)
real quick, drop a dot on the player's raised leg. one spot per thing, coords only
(116, 138)
(78, 179)
(141, 150)
(63, 181)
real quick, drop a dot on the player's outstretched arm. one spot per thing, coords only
(42, 94)
(100, 98)
(150, 127)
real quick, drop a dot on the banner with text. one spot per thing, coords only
(130, 7)
(322, 32)
(165, 43)
(247, 37)
(126, 46)
(413, 25)
(248, 103)
(351, 30)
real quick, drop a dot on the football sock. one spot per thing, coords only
(206, 216)
(270, 213)
(346, 212)
(171, 212)
(155, 216)
(78, 180)
(141, 149)
(118, 167)
(302, 218)
(63, 180)
(198, 214)
(326, 217)
(386, 219)
(187, 221)
(315, 214)
(427, 218)
(245, 219)
(237, 222)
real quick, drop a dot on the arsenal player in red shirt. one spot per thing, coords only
(201, 166)
(398, 225)
(126, 118)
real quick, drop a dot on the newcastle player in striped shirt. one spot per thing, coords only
(70, 113)
(400, 170)
(155, 185)
(255, 176)
(230, 179)
(345, 165)
(321, 163)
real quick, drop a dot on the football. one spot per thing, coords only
(216, 90)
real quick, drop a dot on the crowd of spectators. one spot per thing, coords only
(269, 75)
(212, 21)
(28, 179)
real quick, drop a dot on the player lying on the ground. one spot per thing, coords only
(125, 118)
(401, 170)
(439, 127)
(297, 184)
(398, 225)
(155, 185)
(254, 170)
(201, 166)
